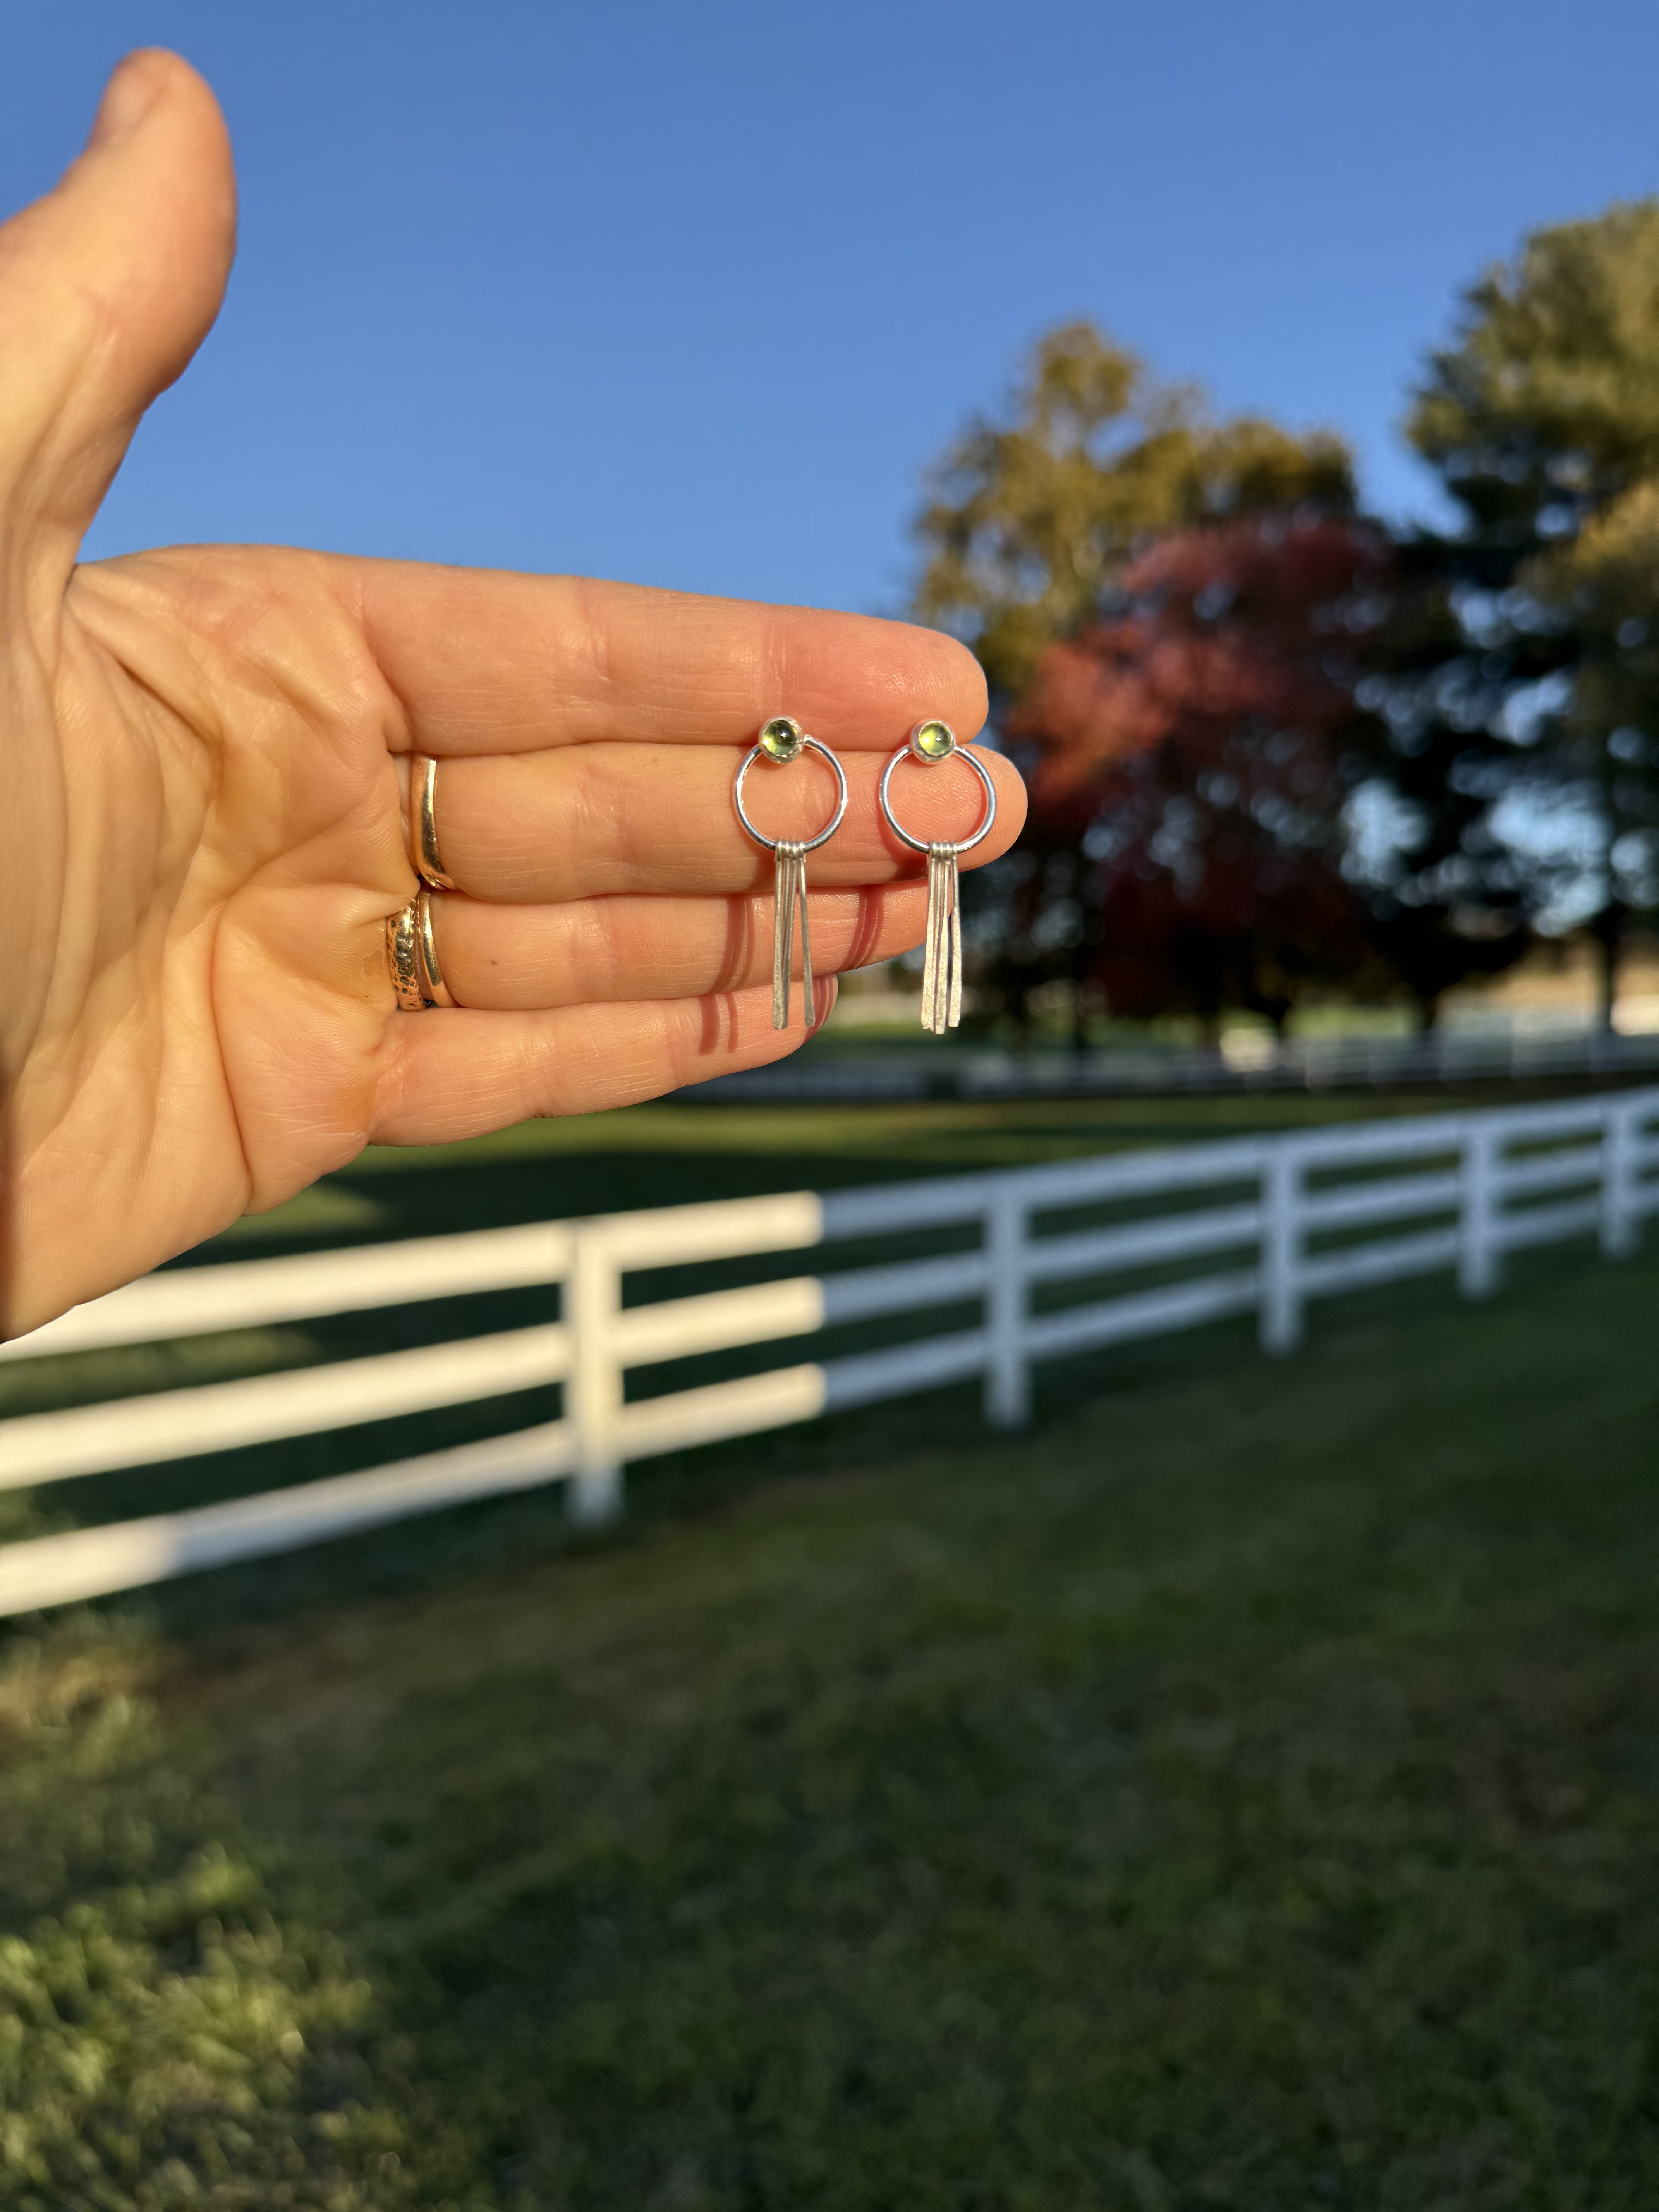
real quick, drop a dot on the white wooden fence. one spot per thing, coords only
(1263, 1226)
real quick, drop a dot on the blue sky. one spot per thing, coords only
(692, 294)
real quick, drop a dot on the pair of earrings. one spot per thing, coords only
(782, 739)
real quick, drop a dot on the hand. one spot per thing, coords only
(204, 756)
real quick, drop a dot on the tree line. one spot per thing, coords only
(1280, 749)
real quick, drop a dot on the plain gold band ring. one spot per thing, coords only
(437, 993)
(424, 823)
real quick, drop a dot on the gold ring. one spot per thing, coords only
(402, 957)
(424, 823)
(438, 992)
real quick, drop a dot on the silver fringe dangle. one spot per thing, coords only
(941, 974)
(789, 898)
(782, 740)
(932, 743)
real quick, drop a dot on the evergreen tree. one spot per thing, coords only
(1516, 670)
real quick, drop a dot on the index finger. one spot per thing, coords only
(485, 661)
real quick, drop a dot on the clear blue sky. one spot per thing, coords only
(690, 293)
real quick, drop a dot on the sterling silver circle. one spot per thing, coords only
(926, 845)
(807, 845)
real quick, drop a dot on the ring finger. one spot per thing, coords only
(597, 952)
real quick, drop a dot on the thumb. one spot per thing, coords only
(107, 286)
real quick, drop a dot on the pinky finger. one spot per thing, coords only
(461, 1071)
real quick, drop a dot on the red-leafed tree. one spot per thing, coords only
(1191, 758)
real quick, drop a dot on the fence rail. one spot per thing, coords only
(1273, 1224)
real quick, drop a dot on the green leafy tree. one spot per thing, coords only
(1517, 666)
(1033, 516)
(1604, 585)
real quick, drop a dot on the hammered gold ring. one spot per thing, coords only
(424, 823)
(402, 957)
(411, 955)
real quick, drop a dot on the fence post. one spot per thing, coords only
(1618, 1159)
(1480, 1255)
(594, 1392)
(1007, 1371)
(1282, 1248)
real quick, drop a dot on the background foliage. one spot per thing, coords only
(1462, 723)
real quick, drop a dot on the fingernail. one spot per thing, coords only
(128, 98)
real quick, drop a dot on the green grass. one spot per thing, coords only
(1243, 1791)
(667, 1154)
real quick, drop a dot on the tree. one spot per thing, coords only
(1195, 751)
(1515, 672)
(1604, 586)
(1033, 518)
(1036, 521)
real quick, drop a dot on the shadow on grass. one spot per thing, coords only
(1240, 1791)
(669, 1154)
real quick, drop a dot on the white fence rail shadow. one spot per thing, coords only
(1251, 1225)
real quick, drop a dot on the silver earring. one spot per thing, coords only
(931, 742)
(782, 740)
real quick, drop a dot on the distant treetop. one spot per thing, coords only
(1546, 406)
(1034, 516)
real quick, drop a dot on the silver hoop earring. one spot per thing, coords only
(931, 742)
(782, 740)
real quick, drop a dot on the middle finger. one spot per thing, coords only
(599, 818)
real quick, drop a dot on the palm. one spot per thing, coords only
(203, 748)
(222, 739)
(230, 722)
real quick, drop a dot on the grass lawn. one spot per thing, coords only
(1244, 1792)
(669, 1153)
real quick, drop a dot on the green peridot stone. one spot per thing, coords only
(932, 741)
(781, 738)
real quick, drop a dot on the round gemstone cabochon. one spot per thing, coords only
(932, 741)
(781, 738)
